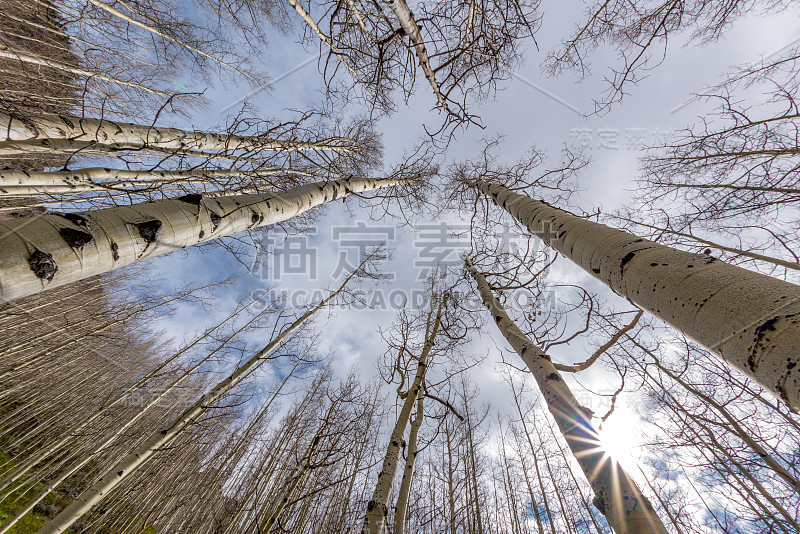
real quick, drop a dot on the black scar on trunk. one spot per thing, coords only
(43, 265)
(148, 229)
(759, 335)
(628, 257)
(193, 198)
(75, 238)
(255, 218)
(77, 219)
(215, 219)
(67, 121)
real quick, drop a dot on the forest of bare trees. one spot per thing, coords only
(625, 370)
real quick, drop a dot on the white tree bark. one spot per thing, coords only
(52, 250)
(162, 437)
(749, 319)
(296, 476)
(404, 494)
(327, 41)
(99, 177)
(98, 448)
(739, 252)
(409, 24)
(37, 131)
(627, 510)
(378, 506)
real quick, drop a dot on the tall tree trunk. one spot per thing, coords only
(45, 62)
(568, 467)
(535, 456)
(24, 183)
(297, 475)
(473, 469)
(532, 495)
(114, 476)
(38, 130)
(749, 319)
(404, 494)
(378, 506)
(719, 246)
(155, 31)
(52, 250)
(410, 27)
(616, 495)
(451, 490)
(328, 42)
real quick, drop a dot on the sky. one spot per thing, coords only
(529, 110)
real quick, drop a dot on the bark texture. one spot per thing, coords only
(410, 27)
(31, 131)
(404, 494)
(627, 510)
(749, 319)
(52, 250)
(99, 177)
(378, 506)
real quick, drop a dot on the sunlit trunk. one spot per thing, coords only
(25, 183)
(627, 510)
(410, 27)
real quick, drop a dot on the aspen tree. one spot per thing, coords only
(305, 493)
(37, 132)
(452, 519)
(729, 430)
(404, 493)
(689, 239)
(568, 467)
(52, 250)
(475, 515)
(534, 500)
(505, 468)
(108, 440)
(44, 62)
(462, 49)
(296, 476)
(76, 333)
(123, 57)
(25, 183)
(275, 455)
(533, 453)
(749, 319)
(160, 33)
(378, 506)
(742, 479)
(161, 438)
(733, 176)
(617, 496)
(775, 464)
